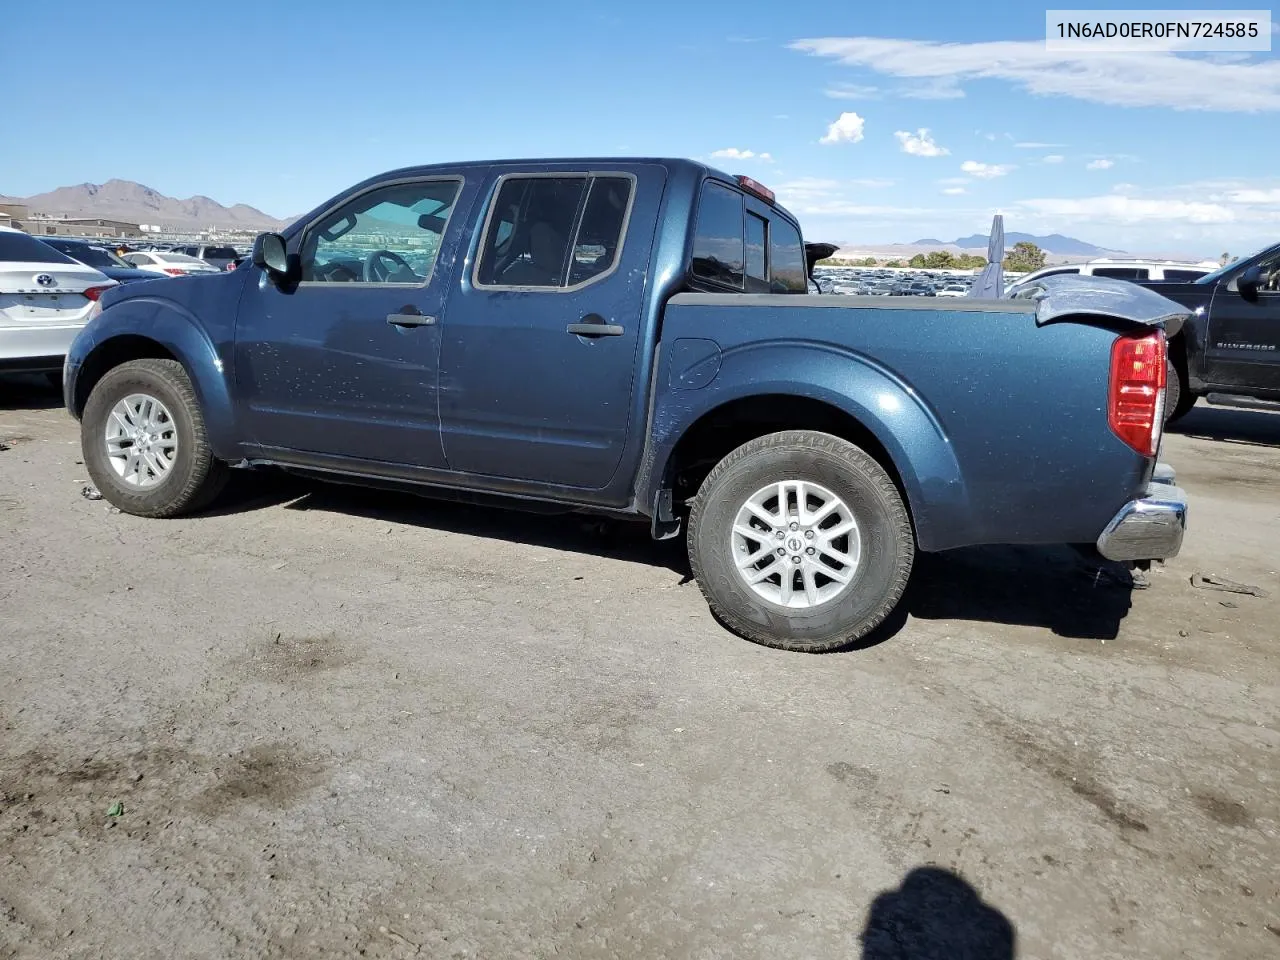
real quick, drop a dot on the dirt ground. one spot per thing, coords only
(345, 723)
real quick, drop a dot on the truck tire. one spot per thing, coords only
(1178, 398)
(145, 444)
(800, 540)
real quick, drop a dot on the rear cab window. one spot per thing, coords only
(742, 244)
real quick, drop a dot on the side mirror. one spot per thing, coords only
(269, 254)
(1248, 283)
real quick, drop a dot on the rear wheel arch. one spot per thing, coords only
(719, 431)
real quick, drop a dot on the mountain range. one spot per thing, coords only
(1053, 243)
(136, 203)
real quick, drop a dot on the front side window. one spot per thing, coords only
(719, 253)
(786, 258)
(1184, 276)
(553, 232)
(390, 234)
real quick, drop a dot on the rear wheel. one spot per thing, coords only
(144, 441)
(1178, 398)
(800, 540)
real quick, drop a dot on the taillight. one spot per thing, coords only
(93, 293)
(174, 271)
(1135, 404)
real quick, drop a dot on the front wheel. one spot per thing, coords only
(144, 441)
(800, 540)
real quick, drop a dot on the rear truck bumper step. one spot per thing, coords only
(1151, 527)
(1241, 402)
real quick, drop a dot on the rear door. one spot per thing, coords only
(1244, 335)
(540, 340)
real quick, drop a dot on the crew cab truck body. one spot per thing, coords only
(1228, 351)
(634, 337)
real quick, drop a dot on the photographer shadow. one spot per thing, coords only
(936, 915)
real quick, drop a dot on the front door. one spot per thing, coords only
(539, 349)
(1244, 335)
(345, 362)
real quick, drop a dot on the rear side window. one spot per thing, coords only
(1184, 275)
(786, 258)
(21, 248)
(220, 253)
(554, 232)
(718, 249)
(1121, 273)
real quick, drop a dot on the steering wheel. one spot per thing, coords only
(375, 272)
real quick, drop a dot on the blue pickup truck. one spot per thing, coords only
(636, 338)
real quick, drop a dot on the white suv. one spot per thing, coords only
(1177, 271)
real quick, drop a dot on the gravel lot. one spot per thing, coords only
(347, 723)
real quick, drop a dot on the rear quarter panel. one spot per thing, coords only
(997, 427)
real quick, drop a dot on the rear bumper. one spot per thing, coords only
(1149, 528)
(36, 347)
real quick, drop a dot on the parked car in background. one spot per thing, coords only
(633, 337)
(45, 299)
(173, 264)
(221, 257)
(1229, 349)
(96, 254)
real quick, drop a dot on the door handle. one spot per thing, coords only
(593, 325)
(409, 320)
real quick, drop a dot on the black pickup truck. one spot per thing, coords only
(1228, 351)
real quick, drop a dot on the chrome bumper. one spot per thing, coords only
(1150, 528)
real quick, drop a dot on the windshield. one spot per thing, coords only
(91, 256)
(1212, 278)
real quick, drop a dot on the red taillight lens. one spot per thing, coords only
(174, 271)
(1135, 405)
(93, 293)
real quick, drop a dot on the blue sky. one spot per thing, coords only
(281, 106)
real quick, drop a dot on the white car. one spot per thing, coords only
(45, 298)
(954, 290)
(173, 264)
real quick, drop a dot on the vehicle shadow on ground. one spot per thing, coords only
(936, 914)
(28, 391)
(1050, 587)
(1226, 423)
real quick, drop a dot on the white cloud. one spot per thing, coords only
(1254, 196)
(954, 191)
(1053, 158)
(1100, 164)
(852, 91)
(1114, 208)
(920, 144)
(1035, 145)
(991, 136)
(733, 153)
(1171, 80)
(943, 88)
(847, 128)
(986, 171)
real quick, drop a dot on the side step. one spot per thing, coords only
(1244, 403)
